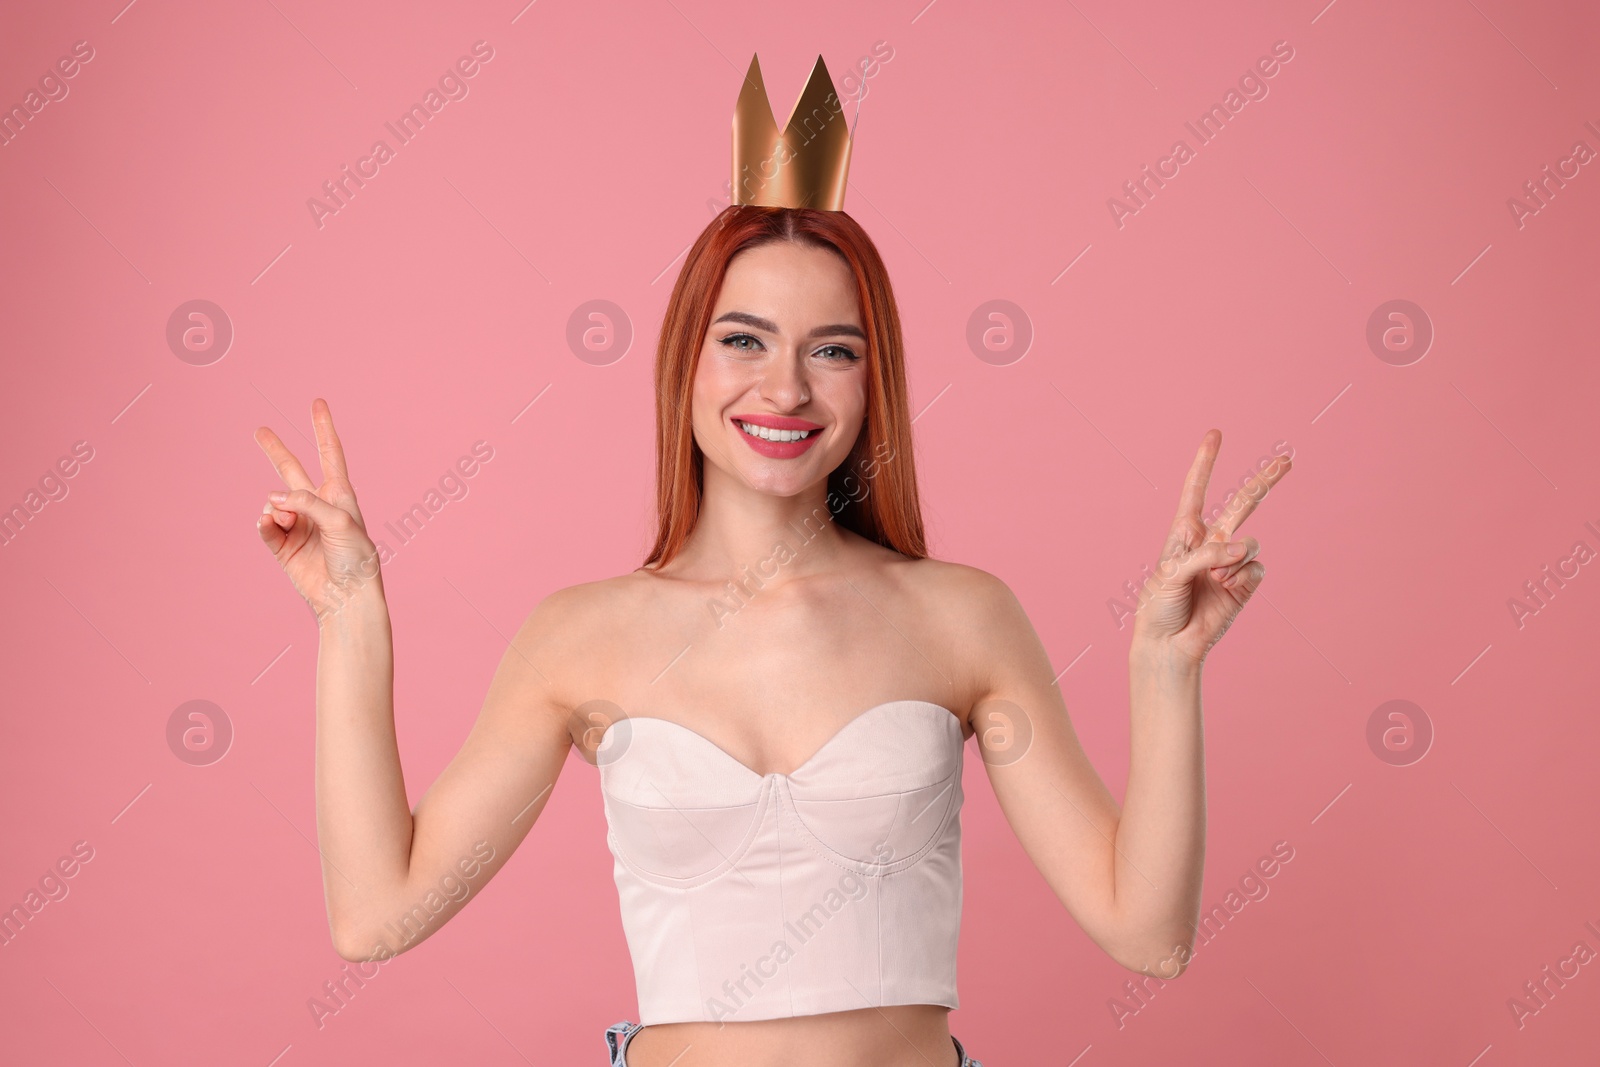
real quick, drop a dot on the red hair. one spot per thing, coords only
(874, 491)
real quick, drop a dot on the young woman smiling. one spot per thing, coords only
(758, 765)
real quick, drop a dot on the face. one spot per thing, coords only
(785, 355)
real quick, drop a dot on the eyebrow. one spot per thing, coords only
(838, 329)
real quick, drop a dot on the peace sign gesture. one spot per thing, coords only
(1204, 577)
(316, 532)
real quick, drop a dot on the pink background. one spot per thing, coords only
(434, 307)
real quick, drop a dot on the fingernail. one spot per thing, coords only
(278, 498)
(266, 509)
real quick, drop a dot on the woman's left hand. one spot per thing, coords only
(1199, 585)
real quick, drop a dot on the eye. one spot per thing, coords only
(842, 354)
(733, 339)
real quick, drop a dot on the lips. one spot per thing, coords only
(777, 449)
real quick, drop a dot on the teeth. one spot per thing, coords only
(774, 435)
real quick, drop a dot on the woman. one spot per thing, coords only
(778, 698)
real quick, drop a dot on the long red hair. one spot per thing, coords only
(874, 491)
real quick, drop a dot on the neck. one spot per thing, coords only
(741, 531)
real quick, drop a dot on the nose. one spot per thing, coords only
(783, 383)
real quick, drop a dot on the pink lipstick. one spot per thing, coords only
(777, 449)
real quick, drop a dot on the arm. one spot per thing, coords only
(392, 876)
(1132, 876)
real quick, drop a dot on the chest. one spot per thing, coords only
(769, 678)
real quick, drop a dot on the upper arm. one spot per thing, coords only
(487, 798)
(1055, 802)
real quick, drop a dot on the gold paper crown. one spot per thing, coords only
(803, 166)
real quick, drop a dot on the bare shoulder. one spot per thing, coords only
(970, 596)
(570, 626)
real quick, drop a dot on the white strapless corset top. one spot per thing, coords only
(832, 888)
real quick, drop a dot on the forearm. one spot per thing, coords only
(364, 823)
(1160, 840)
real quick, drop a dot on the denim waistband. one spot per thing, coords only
(619, 1034)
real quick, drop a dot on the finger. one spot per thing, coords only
(271, 533)
(328, 446)
(308, 504)
(294, 476)
(1251, 548)
(1248, 579)
(1194, 486)
(1210, 555)
(1249, 497)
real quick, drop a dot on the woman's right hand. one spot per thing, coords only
(316, 533)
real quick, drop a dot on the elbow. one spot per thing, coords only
(1163, 959)
(356, 946)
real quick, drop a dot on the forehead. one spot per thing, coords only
(791, 284)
